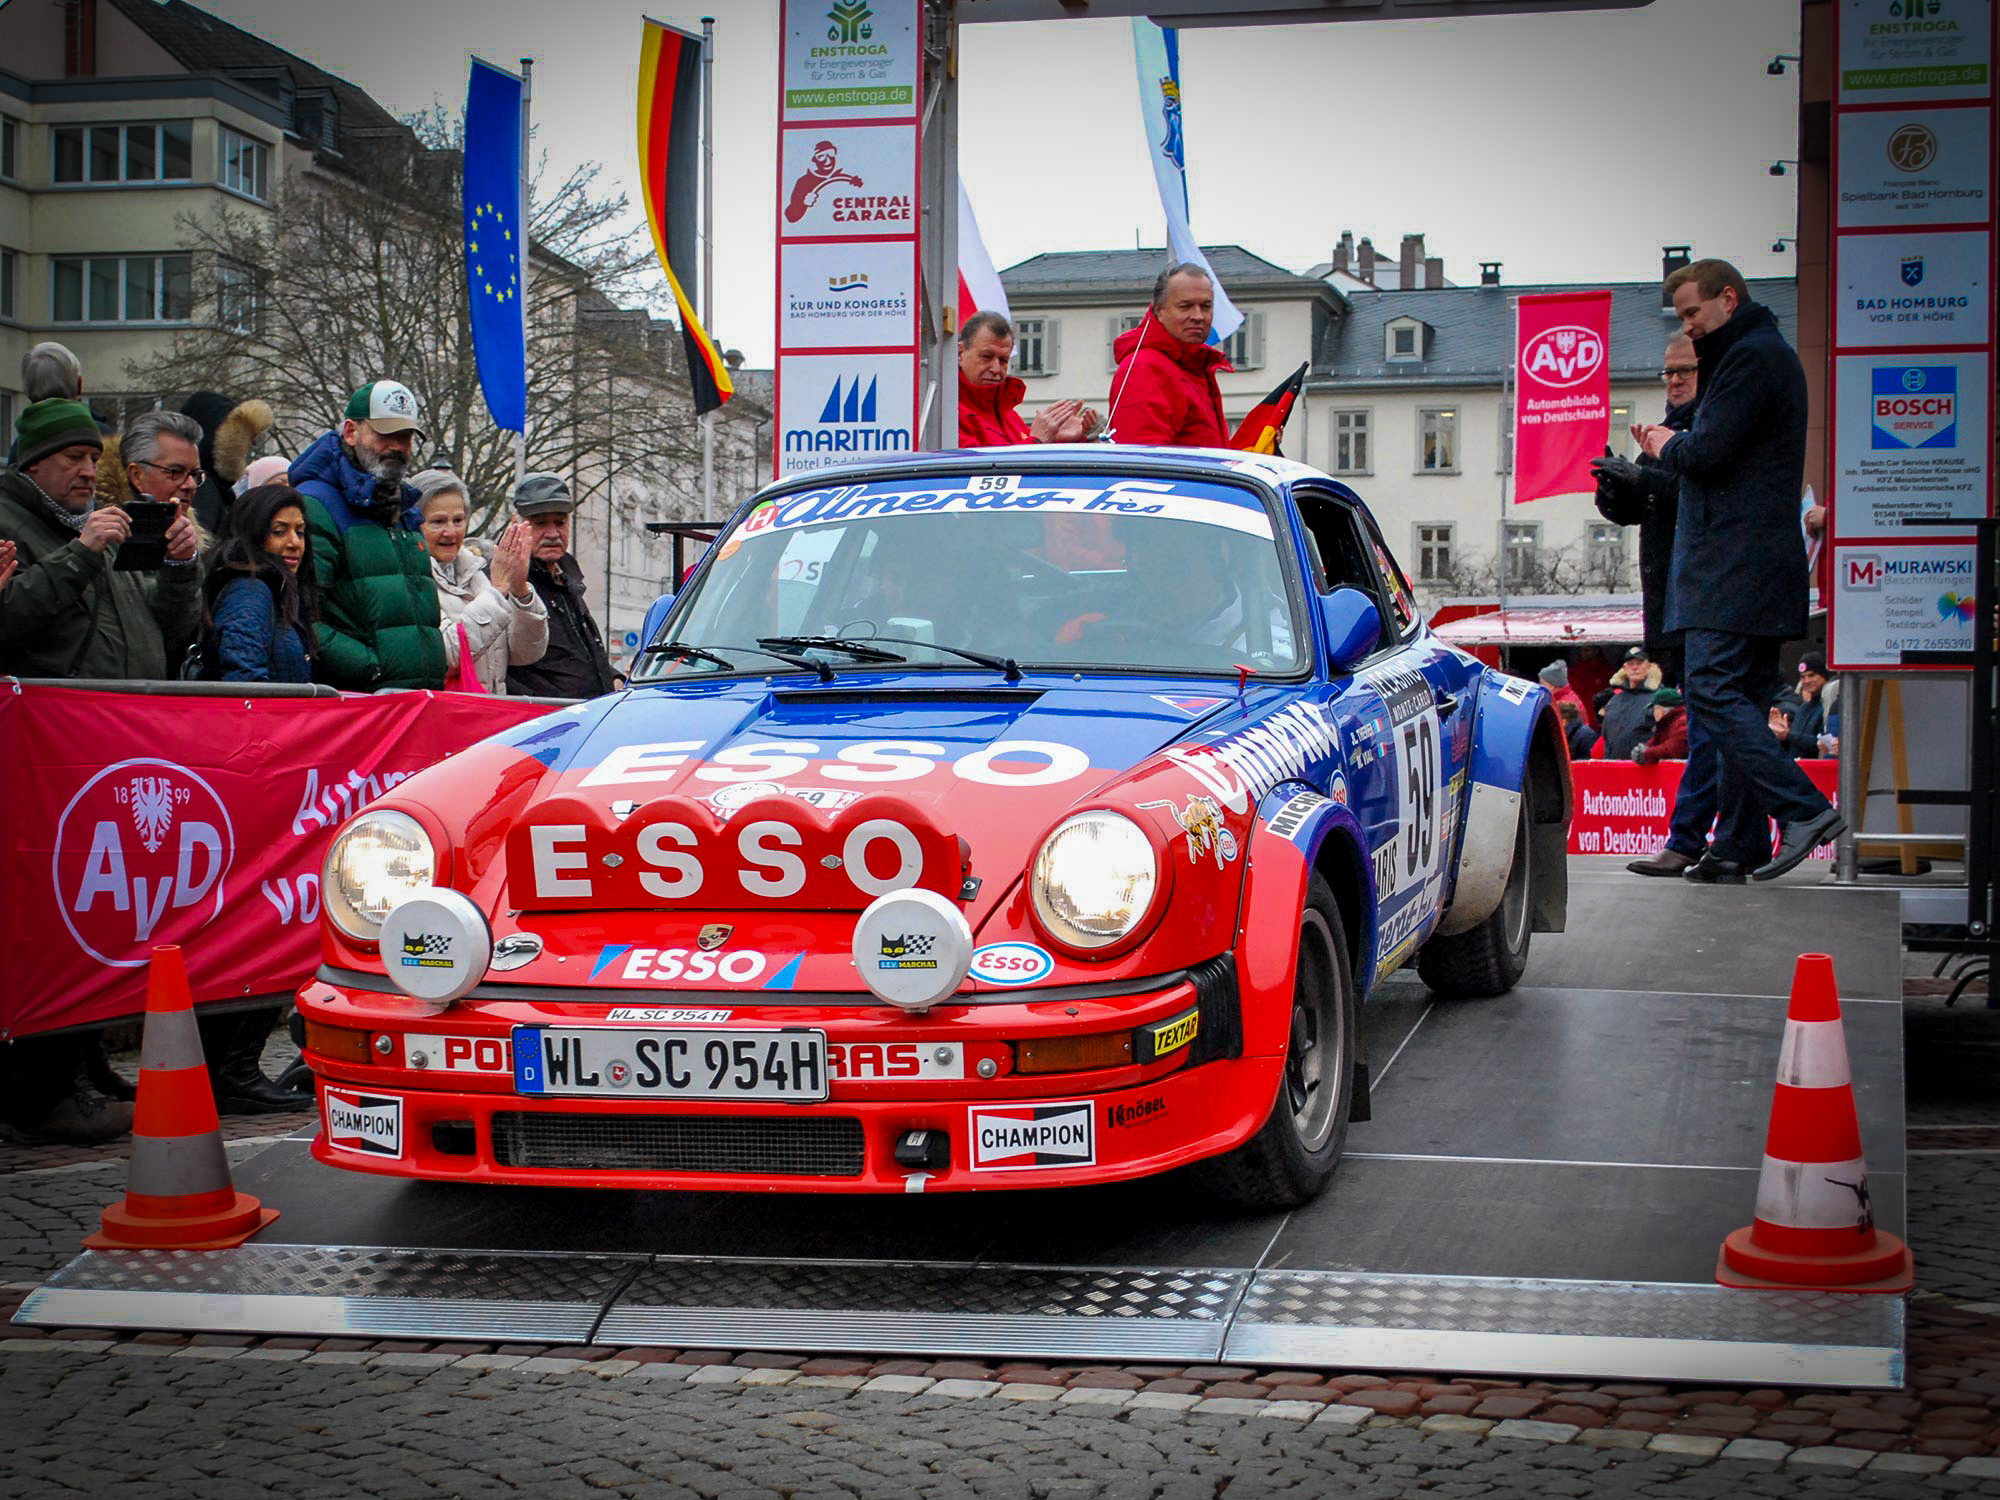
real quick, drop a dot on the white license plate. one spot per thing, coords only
(625, 1063)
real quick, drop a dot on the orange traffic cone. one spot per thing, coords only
(178, 1195)
(1815, 1226)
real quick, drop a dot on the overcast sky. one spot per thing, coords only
(1569, 147)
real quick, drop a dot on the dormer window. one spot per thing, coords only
(1404, 339)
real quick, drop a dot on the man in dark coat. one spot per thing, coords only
(1737, 586)
(575, 665)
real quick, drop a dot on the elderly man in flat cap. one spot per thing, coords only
(575, 665)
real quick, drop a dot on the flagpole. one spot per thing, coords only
(1507, 469)
(521, 437)
(708, 247)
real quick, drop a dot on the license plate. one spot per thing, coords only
(624, 1063)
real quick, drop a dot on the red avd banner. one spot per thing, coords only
(1562, 391)
(1623, 808)
(128, 821)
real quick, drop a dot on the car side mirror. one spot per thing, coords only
(1353, 626)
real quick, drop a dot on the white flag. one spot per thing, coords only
(979, 288)
(1158, 52)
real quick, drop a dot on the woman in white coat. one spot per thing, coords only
(505, 620)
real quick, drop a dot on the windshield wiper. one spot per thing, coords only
(859, 649)
(708, 654)
(1004, 664)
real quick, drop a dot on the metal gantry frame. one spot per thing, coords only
(937, 152)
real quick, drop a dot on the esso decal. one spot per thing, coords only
(1563, 356)
(458, 1054)
(142, 857)
(871, 762)
(1011, 963)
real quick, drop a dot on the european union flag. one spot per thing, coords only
(496, 237)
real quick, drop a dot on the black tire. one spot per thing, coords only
(1291, 1159)
(1489, 959)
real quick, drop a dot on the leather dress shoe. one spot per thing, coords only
(1666, 862)
(257, 1095)
(1797, 840)
(1709, 870)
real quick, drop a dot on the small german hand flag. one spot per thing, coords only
(1260, 431)
(669, 171)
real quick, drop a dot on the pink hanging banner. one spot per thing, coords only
(1562, 392)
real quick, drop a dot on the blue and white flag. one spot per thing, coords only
(496, 241)
(1159, 56)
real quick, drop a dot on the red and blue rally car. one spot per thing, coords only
(989, 819)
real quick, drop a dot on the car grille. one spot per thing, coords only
(748, 1146)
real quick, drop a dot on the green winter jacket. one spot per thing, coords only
(68, 614)
(378, 604)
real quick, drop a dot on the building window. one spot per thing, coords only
(1035, 343)
(1437, 440)
(7, 411)
(10, 272)
(1433, 553)
(245, 164)
(135, 289)
(124, 153)
(10, 147)
(1118, 325)
(1245, 347)
(1607, 555)
(1621, 430)
(238, 304)
(1405, 341)
(1351, 450)
(1524, 545)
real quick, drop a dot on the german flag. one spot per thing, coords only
(1260, 431)
(669, 170)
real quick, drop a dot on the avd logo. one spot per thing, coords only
(1861, 572)
(1563, 356)
(142, 852)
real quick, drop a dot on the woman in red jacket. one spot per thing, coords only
(1164, 391)
(1670, 730)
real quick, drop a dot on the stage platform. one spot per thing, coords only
(1542, 1190)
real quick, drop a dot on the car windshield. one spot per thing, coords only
(1049, 571)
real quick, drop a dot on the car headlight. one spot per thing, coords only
(1094, 879)
(379, 858)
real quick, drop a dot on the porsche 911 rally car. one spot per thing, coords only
(994, 819)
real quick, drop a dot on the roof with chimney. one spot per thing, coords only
(1361, 267)
(1467, 332)
(1127, 275)
(204, 43)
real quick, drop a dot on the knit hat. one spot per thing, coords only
(51, 426)
(1813, 661)
(1668, 698)
(262, 471)
(1555, 674)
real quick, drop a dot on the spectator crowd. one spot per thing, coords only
(166, 551)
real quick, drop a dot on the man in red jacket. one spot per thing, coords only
(988, 395)
(1164, 391)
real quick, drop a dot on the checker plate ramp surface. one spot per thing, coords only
(1541, 1190)
(1113, 1313)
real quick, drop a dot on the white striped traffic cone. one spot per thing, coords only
(1815, 1224)
(178, 1194)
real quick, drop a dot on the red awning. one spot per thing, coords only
(1541, 625)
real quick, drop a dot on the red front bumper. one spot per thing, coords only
(1010, 1130)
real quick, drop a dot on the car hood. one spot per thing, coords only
(994, 765)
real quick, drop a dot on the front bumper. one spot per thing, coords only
(436, 1098)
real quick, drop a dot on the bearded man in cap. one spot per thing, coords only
(378, 604)
(575, 665)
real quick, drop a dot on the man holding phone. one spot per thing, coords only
(70, 610)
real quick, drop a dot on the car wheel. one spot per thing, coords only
(1292, 1157)
(1489, 959)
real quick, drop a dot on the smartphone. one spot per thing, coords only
(146, 548)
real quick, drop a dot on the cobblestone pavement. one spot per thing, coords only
(224, 1416)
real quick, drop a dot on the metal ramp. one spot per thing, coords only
(1542, 1190)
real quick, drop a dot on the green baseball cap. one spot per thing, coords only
(386, 406)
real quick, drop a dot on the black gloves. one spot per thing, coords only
(1615, 469)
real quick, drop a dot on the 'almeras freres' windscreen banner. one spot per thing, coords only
(1562, 392)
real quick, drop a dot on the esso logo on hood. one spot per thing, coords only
(141, 856)
(1563, 356)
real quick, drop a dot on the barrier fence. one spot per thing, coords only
(1624, 808)
(133, 814)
